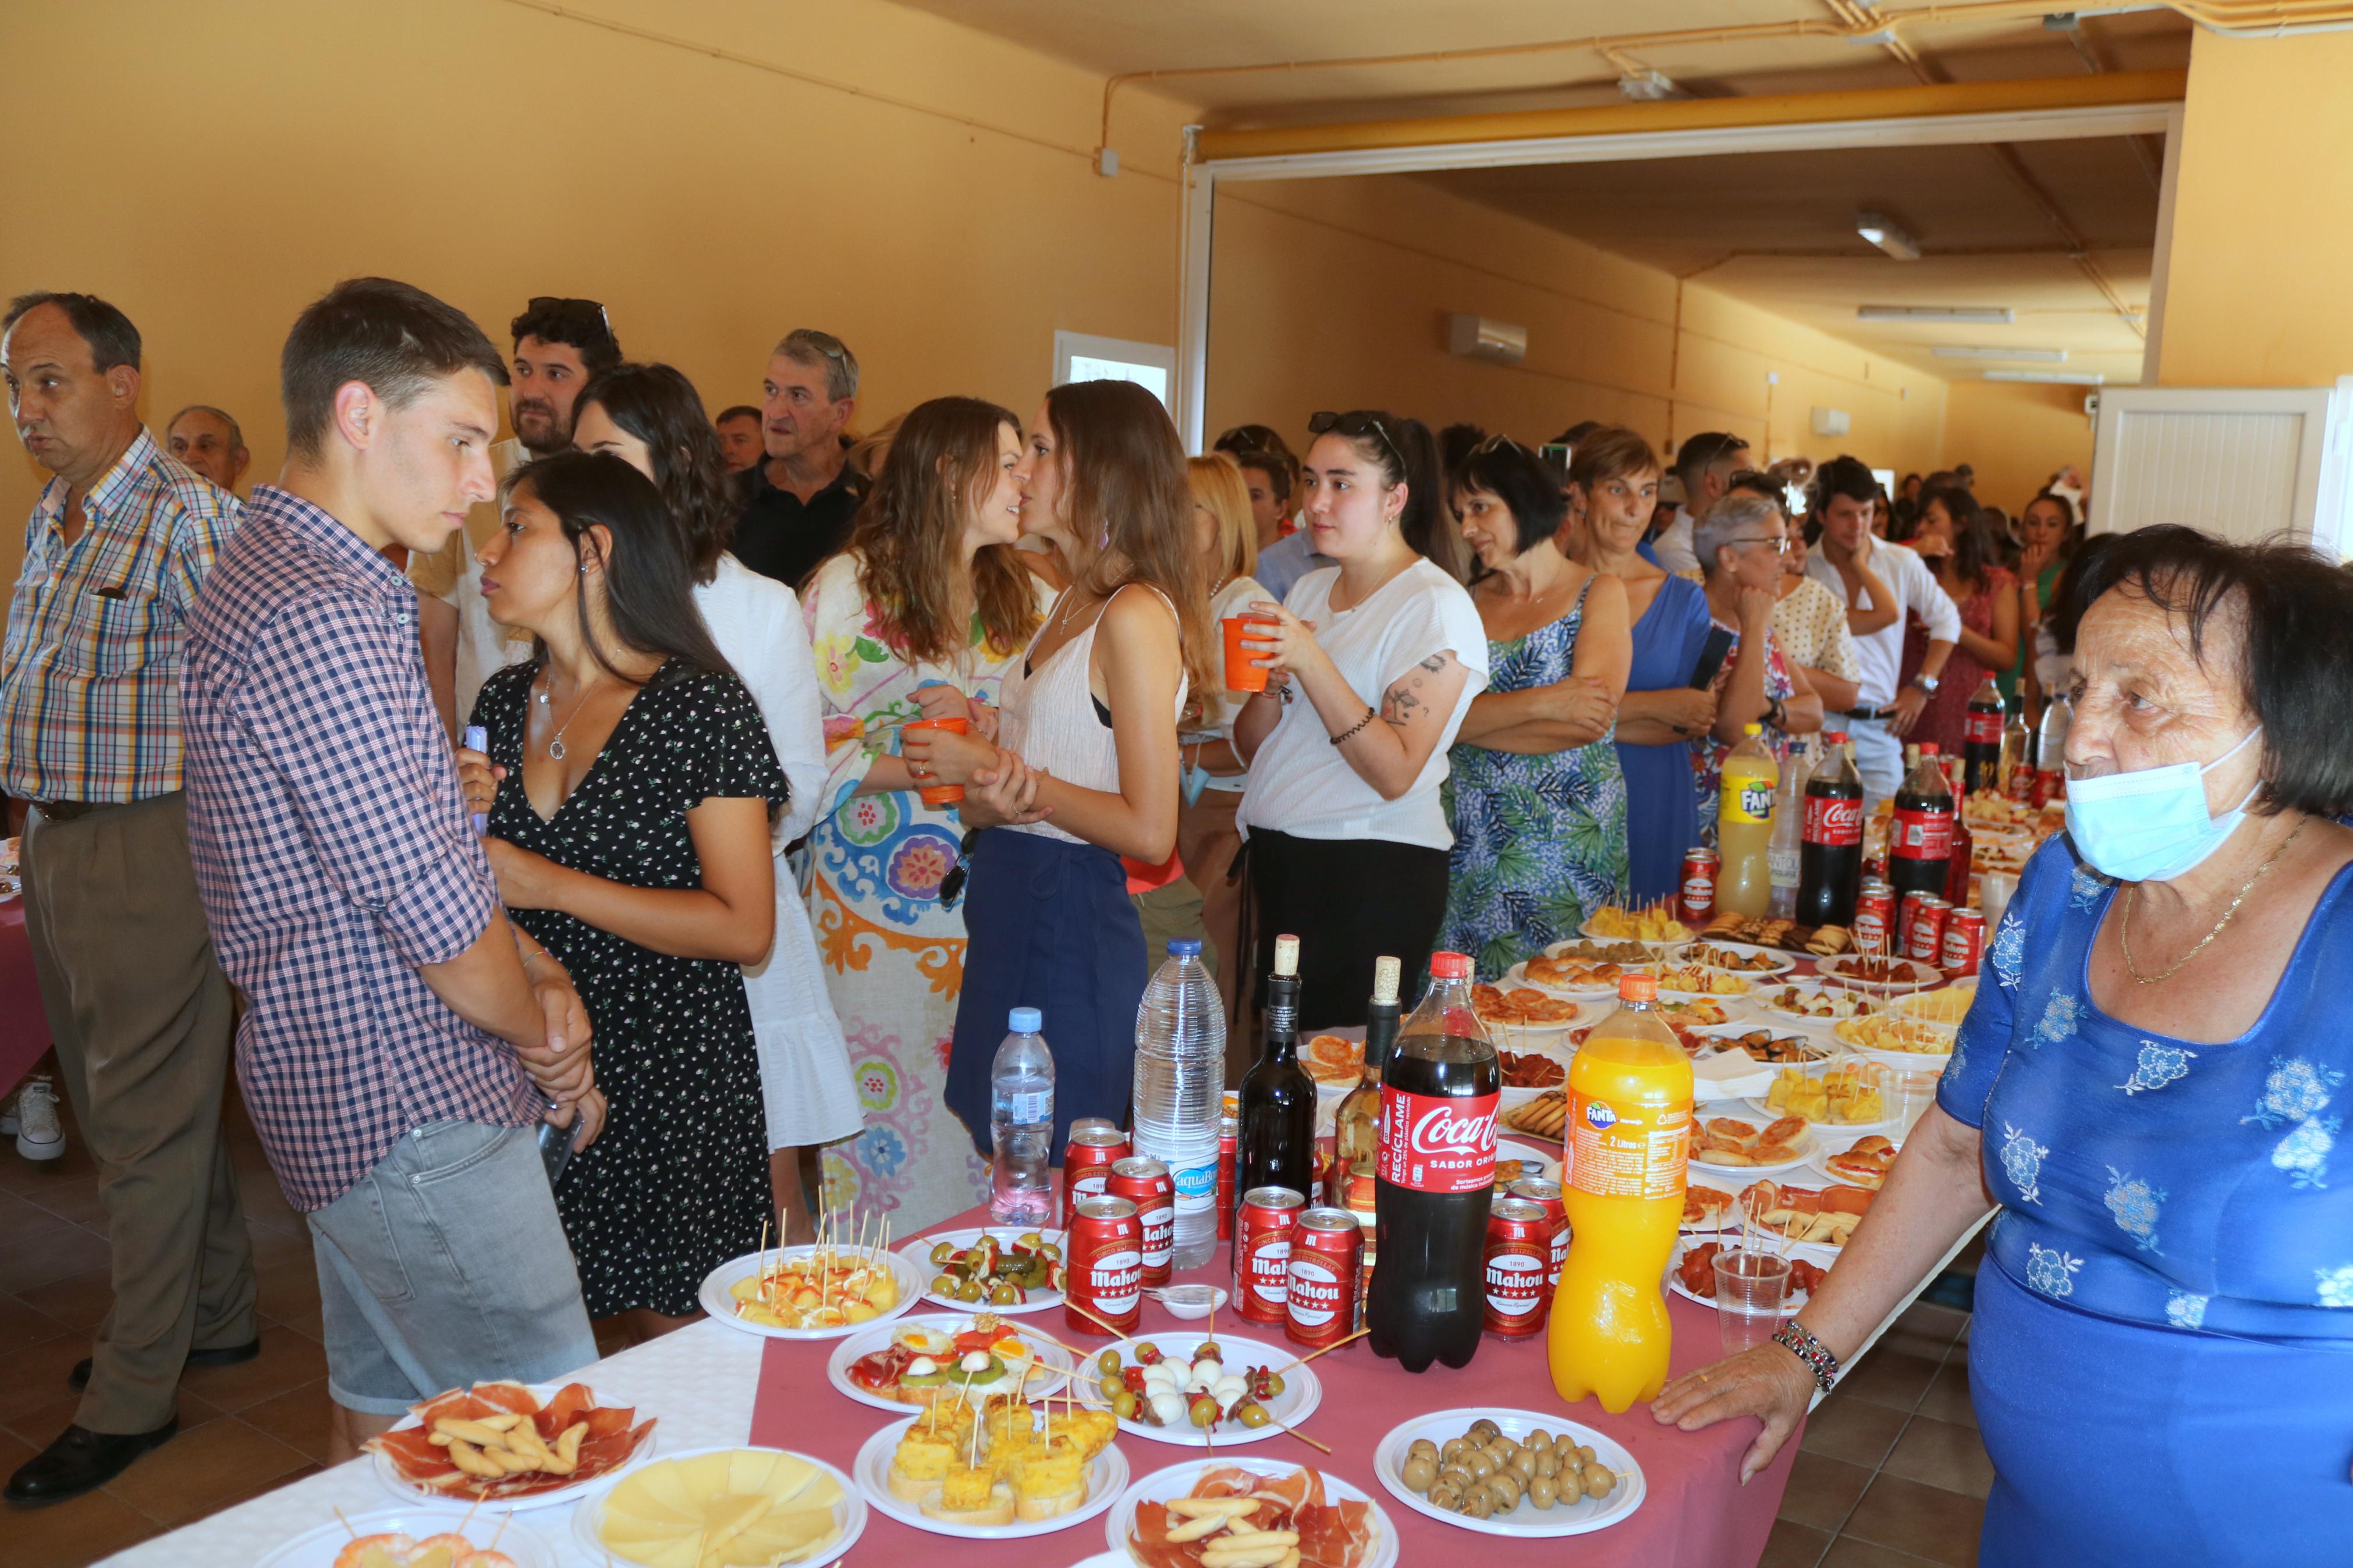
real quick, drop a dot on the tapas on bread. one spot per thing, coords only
(1334, 1062)
(1565, 973)
(1844, 1094)
(926, 1360)
(498, 1443)
(1770, 1047)
(1705, 1207)
(1826, 1216)
(1864, 1166)
(1237, 1516)
(1815, 1002)
(1523, 1006)
(1740, 958)
(1729, 1143)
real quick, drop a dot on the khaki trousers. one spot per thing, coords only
(139, 1011)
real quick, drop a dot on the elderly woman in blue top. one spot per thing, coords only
(2152, 1083)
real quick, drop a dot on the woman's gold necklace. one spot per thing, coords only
(555, 746)
(2124, 932)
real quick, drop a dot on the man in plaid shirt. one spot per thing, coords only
(90, 734)
(401, 1039)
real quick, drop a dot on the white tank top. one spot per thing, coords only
(1049, 714)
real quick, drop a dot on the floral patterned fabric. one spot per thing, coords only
(1539, 841)
(1707, 753)
(894, 956)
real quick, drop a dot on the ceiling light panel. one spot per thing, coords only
(1971, 315)
(1990, 351)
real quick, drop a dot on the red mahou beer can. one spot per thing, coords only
(1095, 1146)
(1229, 1133)
(1874, 930)
(1924, 927)
(1547, 1194)
(1964, 944)
(1519, 1257)
(1148, 1185)
(1327, 1248)
(1103, 1267)
(1262, 1251)
(1696, 897)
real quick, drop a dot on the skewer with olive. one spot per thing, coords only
(1484, 1473)
(993, 1273)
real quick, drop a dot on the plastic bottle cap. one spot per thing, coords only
(1752, 728)
(1834, 737)
(1184, 947)
(1928, 748)
(1027, 1020)
(1450, 965)
(1638, 988)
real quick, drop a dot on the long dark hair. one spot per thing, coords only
(659, 406)
(648, 586)
(1405, 453)
(942, 463)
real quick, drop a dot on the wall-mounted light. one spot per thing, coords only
(1888, 235)
(1648, 86)
(1478, 336)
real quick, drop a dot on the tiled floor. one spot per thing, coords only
(1890, 1474)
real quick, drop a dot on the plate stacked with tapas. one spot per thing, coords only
(1510, 1472)
(509, 1444)
(994, 1470)
(922, 1362)
(1250, 1513)
(414, 1538)
(811, 1292)
(1005, 1270)
(1203, 1394)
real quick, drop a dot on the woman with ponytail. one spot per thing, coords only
(1372, 665)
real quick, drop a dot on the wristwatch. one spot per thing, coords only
(1927, 682)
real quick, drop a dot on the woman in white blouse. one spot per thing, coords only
(1374, 663)
(650, 416)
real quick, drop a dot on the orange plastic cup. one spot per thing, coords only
(1243, 672)
(939, 794)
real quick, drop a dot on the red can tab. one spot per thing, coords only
(1438, 1143)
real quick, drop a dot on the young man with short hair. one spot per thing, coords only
(739, 436)
(798, 504)
(401, 1039)
(1705, 464)
(208, 440)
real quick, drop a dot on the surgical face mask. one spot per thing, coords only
(2151, 825)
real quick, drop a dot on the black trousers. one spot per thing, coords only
(1348, 902)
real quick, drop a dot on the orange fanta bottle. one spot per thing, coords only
(1630, 1116)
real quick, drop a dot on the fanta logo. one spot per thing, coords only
(1601, 1118)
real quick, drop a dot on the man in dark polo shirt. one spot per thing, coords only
(799, 503)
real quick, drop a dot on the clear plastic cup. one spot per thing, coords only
(1751, 1291)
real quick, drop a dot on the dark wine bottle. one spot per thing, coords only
(1276, 1140)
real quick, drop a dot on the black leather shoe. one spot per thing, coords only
(82, 1461)
(228, 1355)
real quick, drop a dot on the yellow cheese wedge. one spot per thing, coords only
(734, 1509)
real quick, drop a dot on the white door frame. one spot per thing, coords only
(1202, 177)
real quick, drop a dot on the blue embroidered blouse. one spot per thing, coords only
(2172, 1183)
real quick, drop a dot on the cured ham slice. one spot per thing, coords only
(1331, 1535)
(610, 1441)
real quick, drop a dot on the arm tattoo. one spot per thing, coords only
(1399, 707)
(1434, 663)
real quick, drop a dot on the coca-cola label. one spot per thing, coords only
(1438, 1143)
(1834, 821)
(1113, 1283)
(1315, 1285)
(1983, 728)
(1516, 1284)
(1922, 834)
(1159, 1232)
(1270, 1269)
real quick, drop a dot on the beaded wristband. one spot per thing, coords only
(1794, 1337)
(1371, 713)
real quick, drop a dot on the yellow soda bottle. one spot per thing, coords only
(1743, 827)
(1630, 1119)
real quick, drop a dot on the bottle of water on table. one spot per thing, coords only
(1180, 1073)
(1021, 1125)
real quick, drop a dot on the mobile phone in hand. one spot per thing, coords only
(555, 1148)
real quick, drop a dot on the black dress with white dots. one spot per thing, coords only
(678, 1182)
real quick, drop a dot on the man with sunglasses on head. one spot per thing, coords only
(1705, 464)
(559, 343)
(799, 503)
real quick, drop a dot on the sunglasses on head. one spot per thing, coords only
(1355, 426)
(572, 310)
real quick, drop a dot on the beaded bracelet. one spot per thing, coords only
(1371, 714)
(1799, 1341)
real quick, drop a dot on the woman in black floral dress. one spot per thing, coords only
(629, 783)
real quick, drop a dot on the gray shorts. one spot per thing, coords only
(447, 1266)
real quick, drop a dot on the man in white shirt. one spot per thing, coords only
(1705, 464)
(1883, 715)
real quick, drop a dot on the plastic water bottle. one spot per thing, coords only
(1180, 1074)
(1781, 853)
(1021, 1125)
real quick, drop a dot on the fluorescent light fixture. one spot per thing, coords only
(1974, 315)
(1648, 86)
(2063, 377)
(1988, 351)
(1888, 235)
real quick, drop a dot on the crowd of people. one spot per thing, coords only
(597, 825)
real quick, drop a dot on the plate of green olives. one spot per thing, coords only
(1509, 1472)
(1004, 1268)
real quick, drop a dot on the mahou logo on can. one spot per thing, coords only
(1438, 1143)
(1105, 1267)
(1519, 1260)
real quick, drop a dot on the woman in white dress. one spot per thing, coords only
(650, 416)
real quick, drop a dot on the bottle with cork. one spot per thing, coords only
(1356, 1137)
(1276, 1145)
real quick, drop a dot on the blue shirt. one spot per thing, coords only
(2172, 1182)
(1286, 561)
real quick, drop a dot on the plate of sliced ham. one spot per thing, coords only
(508, 1445)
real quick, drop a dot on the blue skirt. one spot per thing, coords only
(2118, 1443)
(1049, 927)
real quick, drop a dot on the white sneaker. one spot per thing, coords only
(40, 1135)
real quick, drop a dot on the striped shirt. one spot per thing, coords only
(89, 673)
(333, 852)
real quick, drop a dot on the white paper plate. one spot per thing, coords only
(850, 1512)
(1779, 1018)
(1819, 1163)
(1600, 991)
(1524, 1038)
(1839, 1133)
(1302, 1391)
(1178, 1480)
(1587, 931)
(446, 1503)
(1922, 976)
(1689, 954)
(1526, 1521)
(918, 1252)
(717, 1301)
(1729, 1035)
(1052, 1369)
(319, 1548)
(1805, 1149)
(1821, 1256)
(1510, 1149)
(1106, 1478)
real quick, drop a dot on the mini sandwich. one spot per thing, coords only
(921, 1463)
(1089, 1431)
(1052, 1483)
(1008, 1416)
(971, 1497)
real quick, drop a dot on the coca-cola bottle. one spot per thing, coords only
(1440, 1093)
(1920, 841)
(2017, 755)
(1275, 1146)
(1829, 853)
(1964, 845)
(1981, 740)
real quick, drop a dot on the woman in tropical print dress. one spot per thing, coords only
(1536, 796)
(918, 619)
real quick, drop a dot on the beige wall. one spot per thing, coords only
(2262, 215)
(2016, 436)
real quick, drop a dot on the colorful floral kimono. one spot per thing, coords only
(894, 956)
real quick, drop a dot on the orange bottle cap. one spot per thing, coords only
(1638, 988)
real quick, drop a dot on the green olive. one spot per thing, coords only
(1204, 1410)
(1005, 1293)
(1209, 1348)
(1274, 1386)
(1252, 1413)
(942, 1253)
(1123, 1404)
(1108, 1363)
(970, 1291)
(945, 1286)
(1112, 1384)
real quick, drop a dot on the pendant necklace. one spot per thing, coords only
(555, 742)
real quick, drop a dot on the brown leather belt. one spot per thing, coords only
(69, 810)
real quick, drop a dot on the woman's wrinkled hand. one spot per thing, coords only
(1686, 710)
(1764, 1380)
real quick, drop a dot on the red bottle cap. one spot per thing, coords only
(1450, 965)
(1928, 748)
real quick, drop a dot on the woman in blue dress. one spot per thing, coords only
(2152, 1083)
(1533, 793)
(1613, 479)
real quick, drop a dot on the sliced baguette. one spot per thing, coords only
(999, 1510)
(1053, 1505)
(907, 1488)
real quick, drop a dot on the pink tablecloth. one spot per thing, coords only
(1695, 1511)
(24, 1028)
